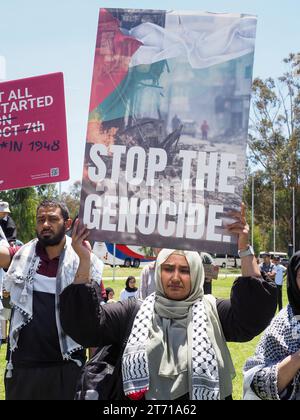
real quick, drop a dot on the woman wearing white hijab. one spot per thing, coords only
(176, 345)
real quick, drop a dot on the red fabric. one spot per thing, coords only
(103, 292)
(112, 56)
(137, 395)
(13, 250)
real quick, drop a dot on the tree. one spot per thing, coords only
(23, 203)
(262, 211)
(47, 191)
(148, 251)
(72, 199)
(274, 151)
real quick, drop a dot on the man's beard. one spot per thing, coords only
(53, 240)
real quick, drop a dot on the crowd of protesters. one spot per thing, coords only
(175, 334)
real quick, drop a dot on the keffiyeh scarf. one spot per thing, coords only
(135, 370)
(19, 281)
(281, 339)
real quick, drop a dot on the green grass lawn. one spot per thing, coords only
(2, 367)
(221, 288)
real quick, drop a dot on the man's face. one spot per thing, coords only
(3, 214)
(50, 226)
(267, 259)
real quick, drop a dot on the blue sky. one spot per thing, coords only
(39, 37)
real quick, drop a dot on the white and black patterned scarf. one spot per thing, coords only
(19, 281)
(281, 339)
(135, 371)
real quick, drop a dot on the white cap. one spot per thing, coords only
(4, 207)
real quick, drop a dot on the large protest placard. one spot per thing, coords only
(167, 129)
(33, 134)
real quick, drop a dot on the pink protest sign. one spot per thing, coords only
(33, 134)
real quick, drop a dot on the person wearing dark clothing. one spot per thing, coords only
(210, 272)
(177, 327)
(7, 223)
(267, 266)
(43, 362)
(273, 373)
(175, 122)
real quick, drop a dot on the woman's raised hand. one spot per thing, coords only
(240, 227)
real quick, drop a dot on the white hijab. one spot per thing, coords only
(172, 318)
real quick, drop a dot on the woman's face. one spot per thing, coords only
(131, 283)
(298, 278)
(176, 278)
(110, 295)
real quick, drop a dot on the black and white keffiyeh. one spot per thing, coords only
(135, 370)
(19, 281)
(281, 339)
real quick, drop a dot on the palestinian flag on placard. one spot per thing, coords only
(166, 84)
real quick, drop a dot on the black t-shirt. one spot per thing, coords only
(9, 228)
(267, 268)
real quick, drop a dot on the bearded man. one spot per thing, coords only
(43, 362)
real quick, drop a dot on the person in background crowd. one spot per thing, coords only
(130, 290)
(147, 281)
(175, 122)
(210, 272)
(273, 373)
(177, 345)
(7, 223)
(280, 271)
(267, 266)
(43, 362)
(110, 293)
(204, 130)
